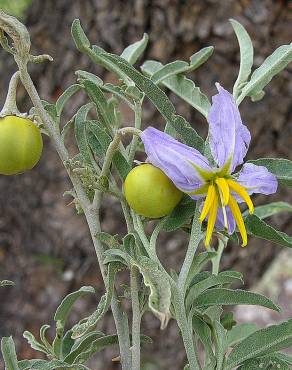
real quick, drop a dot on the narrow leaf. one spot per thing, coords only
(181, 86)
(6, 283)
(133, 52)
(246, 56)
(168, 70)
(224, 297)
(62, 100)
(81, 41)
(240, 332)
(260, 343)
(260, 229)
(9, 354)
(34, 343)
(271, 66)
(181, 215)
(271, 209)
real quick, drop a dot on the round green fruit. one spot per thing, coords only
(149, 192)
(21, 145)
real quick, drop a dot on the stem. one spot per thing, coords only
(92, 214)
(136, 346)
(138, 116)
(216, 260)
(186, 330)
(195, 238)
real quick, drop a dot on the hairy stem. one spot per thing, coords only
(92, 214)
(222, 242)
(136, 346)
(138, 117)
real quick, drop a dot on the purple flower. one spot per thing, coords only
(221, 188)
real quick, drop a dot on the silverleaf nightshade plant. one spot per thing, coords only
(206, 171)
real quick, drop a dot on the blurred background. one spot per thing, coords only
(45, 247)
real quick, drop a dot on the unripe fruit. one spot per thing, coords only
(149, 192)
(21, 145)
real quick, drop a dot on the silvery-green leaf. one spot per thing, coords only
(34, 343)
(120, 66)
(203, 331)
(227, 297)
(200, 57)
(181, 215)
(260, 229)
(271, 209)
(62, 100)
(246, 56)
(168, 70)
(265, 363)
(108, 239)
(81, 41)
(220, 343)
(199, 261)
(133, 52)
(281, 168)
(89, 324)
(44, 340)
(28, 364)
(82, 345)
(9, 354)
(284, 357)
(56, 365)
(262, 342)
(271, 66)
(225, 277)
(6, 283)
(160, 293)
(181, 86)
(62, 313)
(80, 132)
(240, 332)
(84, 75)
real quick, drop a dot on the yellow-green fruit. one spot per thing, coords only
(21, 145)
(150, 192)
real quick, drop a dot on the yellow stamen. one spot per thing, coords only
(224, 189)
(211, 194)
(242, 193)
(238, 219)
(211, 219)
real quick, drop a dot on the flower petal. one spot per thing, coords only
(174, 159)
(230, 220)
(257, 179)
(229, 138)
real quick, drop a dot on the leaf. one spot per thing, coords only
(80, 132)
(271, 66)
(198, 263)
(133, 52)
(160, 293)
(181, 86)
(154, 93)
(203, 331)
(89, 324)
(6, 283)
(246, 56)
(67, 94)
(28, 364)
(265, 363)
(82, 345)
(224, 297)
(180, 215)
(96, 95)
(281, 168)
(56, 364)
(240, 332)
(213, 280)
(200, 57)
(262, 342)
(62, 313)
(260, 229)
(168, 70)
(84, 75)
(81, 41)
(284, 357)
(121, 164)
(34, 343)
(108, 239)
(44, 340)
(271, 209)
(221, 343)
(9, 354)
